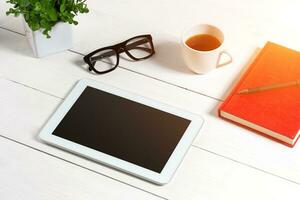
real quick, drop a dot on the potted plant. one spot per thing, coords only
(48, 23)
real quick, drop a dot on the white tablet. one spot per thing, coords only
(126, 131)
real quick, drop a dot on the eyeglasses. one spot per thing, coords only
(107, 59)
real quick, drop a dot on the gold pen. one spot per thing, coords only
(269, 87)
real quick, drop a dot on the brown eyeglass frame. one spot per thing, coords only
(91, 60)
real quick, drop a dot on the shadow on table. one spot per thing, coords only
(168, 54)
(81, 64)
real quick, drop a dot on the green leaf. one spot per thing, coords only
(34, 26)
(52, 14)
(38, 6)
(62, 8)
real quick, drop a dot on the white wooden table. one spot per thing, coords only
(224, 162)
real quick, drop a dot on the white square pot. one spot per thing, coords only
(61, 39)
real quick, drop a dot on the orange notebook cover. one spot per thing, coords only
(274, 113)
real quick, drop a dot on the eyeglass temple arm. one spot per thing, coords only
(133, 45)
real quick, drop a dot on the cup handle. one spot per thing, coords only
(224, 52)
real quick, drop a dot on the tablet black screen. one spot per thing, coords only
(125, 129)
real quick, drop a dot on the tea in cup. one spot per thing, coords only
(202, 48)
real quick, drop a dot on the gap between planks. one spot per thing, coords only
(83, 167)
(139, 73)
(194, 146)
(166, 82)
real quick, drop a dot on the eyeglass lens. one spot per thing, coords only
(139, 48)
(105, 60)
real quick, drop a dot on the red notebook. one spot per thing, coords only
(274, 113)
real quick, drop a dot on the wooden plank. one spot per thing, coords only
(247, 26)
(243, 35)
(29, 174)
(201, 175)
(56, 74)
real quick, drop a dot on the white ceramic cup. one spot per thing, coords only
(202, 62)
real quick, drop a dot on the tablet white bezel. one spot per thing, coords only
(158, 178)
